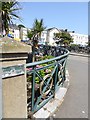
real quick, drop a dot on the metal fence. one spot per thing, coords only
(43, 80)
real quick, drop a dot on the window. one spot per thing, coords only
(14, 36)
(42, 34)
(76, 36)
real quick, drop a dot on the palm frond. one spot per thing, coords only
(15, 9)
(9, 10)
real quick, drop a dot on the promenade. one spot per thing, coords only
(75, 104)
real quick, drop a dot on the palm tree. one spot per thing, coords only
(38, 27)
(8, 13)
(30, 34)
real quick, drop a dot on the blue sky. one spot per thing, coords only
(64, 15)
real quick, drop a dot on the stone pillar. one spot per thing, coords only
(14, 83)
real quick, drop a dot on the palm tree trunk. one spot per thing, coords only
(2, 29)
(33, 49)
(2, 22)
(33, 53)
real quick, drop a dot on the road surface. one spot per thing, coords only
(75, 104)
(0, 97)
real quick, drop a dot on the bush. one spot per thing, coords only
(42, 73)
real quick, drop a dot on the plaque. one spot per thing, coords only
(12, 71)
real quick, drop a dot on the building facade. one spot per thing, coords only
(14, 32)
(50, 36)
(23, 34)
(43, 38)
(79, 39)
(47, 36)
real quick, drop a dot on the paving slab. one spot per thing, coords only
(52, 105)
(48, 109)
(60, 93)
(42, 113)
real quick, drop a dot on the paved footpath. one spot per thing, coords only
(0, 96)
(75, 104)
(0, 100)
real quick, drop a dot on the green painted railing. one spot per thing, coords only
(43, 80)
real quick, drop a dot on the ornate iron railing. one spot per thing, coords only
(43, 80)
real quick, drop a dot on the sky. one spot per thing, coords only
(63, 15)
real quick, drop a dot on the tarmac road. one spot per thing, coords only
(75, 104)
(0, 98)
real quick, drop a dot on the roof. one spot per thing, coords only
(55, 28)
(50, 28)
(13, 26)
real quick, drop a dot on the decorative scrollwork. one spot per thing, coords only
(42, 84)
(60, 72)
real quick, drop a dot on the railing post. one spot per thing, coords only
(65, 69)
(37, 101)
(56, 76)
(33, 89)
(64, 76)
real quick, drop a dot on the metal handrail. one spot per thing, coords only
(49, 83)
(48, 60)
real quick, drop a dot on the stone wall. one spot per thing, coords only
(14, 83)
(14, 93)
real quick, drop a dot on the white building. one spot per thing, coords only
(16, 34)
(23, 34)
(14, 31)
(50, 35)
(43, 39)
(79, 39)
(47, 36)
